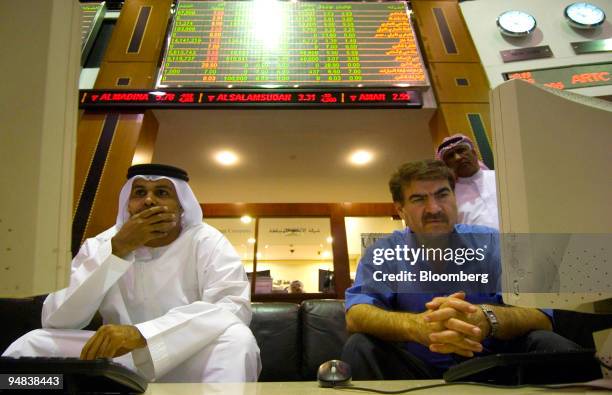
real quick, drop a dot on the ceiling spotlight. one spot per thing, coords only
(326, 254)
(246, 219)
(258, 255)
(226, 158)
(251, 240)
(361, 157)
(329, 239)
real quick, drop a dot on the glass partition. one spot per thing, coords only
(361, 232)
(294, 255)
(240, 231)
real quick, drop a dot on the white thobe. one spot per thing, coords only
(477, 199)
(182, 298)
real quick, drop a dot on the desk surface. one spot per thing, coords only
(312, 388)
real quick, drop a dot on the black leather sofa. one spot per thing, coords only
(294, 339)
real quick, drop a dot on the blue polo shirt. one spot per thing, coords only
(411, 295)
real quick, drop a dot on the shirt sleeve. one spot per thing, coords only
(366, 290)
(93, 271)
(185, 330)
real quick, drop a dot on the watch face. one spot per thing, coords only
(516, 23)
(584, 15)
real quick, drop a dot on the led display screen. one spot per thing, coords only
(289, 44)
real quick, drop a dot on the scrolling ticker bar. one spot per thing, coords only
(377, 98)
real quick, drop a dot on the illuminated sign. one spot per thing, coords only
(289, 44)
(570, 77)
(91, 99)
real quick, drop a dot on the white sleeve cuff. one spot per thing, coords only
(155, 357)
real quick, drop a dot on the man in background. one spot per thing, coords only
(475, 184)
(296, 287)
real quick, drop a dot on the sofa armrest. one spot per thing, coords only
(276, 326)
(323, 333)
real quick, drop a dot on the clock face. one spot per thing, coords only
(516, 23)
(584, 15)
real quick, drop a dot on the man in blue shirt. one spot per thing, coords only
(408, 311)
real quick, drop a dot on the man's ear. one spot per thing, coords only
(398, 207)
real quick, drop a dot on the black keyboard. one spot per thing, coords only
(78, 376)
(528, 368)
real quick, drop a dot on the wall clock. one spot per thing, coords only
(584, 15)
(515, 23)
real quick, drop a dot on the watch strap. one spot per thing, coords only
(492, 318)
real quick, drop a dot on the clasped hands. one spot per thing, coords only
(453, 325)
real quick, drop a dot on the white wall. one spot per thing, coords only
(38, 114)
(552, 30)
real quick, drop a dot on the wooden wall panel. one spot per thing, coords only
(342, 276)
(154, 34)
(438, 128)
(455, 118)
(88, 134)
(141, 75)
(101, 172)
(130, 61)
(448, 80)
(432, 33)
(145, 147)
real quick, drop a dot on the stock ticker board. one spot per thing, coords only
(287, 44)
(89, 13)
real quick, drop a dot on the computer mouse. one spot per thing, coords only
(334, 373)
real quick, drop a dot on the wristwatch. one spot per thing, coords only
(492, 318)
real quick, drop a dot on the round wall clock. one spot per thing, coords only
(515, 23)
(584, 15)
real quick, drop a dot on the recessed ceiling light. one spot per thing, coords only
(258, 255)
(361, 157)
(326, 254)
(329, 239)
(226, 158)
(246, 219)
(251, 240)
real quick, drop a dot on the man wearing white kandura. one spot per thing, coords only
(172, 292)
(475, 183)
